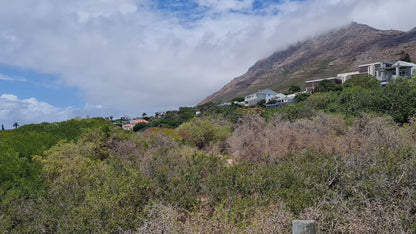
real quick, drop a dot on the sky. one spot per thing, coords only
(65, 59)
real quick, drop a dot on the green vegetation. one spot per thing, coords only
(238, 99)
(140, 127)
(294, 89)
(345, 157)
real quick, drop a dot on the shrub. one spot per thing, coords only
(202, 132)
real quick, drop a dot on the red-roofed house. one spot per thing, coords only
(136, 121)
(128, 127)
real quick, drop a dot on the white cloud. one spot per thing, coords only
(24, 111)
(8, 78)
(4, 77)
(131, 58)
(225, 6)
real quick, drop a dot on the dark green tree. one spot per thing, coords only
(140, 127)
(294, 89)
(262, 103)
(302, 97)
(364, 81)
(402, 99)
(238, 99)
(327, 86)
(405, 57)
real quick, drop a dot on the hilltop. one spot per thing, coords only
(338, 51)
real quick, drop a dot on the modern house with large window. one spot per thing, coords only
(385, 71)
(253, 99)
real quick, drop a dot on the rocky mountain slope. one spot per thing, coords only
(338, 51)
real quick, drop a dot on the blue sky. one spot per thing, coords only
(45, 87)
(63, 59)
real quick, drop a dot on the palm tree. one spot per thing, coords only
(15, 125)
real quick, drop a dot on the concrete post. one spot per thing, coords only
(304, 227)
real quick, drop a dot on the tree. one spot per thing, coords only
(238, 99)
(364, 81)
(145, 117)
(327, 86)
(201, 132)
(294, 89)
(15, 125)
(262, 103)
(405, 57)
(140, 127)
(402, 99)
(302, 97)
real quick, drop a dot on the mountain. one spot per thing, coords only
(338, 51)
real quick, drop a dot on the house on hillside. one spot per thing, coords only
(281, 100)
(136, 121)
(253, 99)
(385, 71)
(129, 125)
(312, 84)
(403, 69)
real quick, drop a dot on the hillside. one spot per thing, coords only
(345, 156)
(338, 51)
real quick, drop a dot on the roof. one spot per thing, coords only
(291, 95)
(349, 73)
(403, 64)
(136, 121)
(369, 64)
(267, 91)
(128, 126)
(280, 95)
(329, 78)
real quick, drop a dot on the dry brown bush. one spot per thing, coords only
(161, 219)
(166, 219)
(255, 140)
(337, 216)
(273, 219)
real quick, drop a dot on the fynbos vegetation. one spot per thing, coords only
(346, 158)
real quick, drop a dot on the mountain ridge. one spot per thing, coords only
(340, 50)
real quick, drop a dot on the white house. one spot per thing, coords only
(346, 76)
(282, 100)
(385, 71)
(254, 98)
(404, 69)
